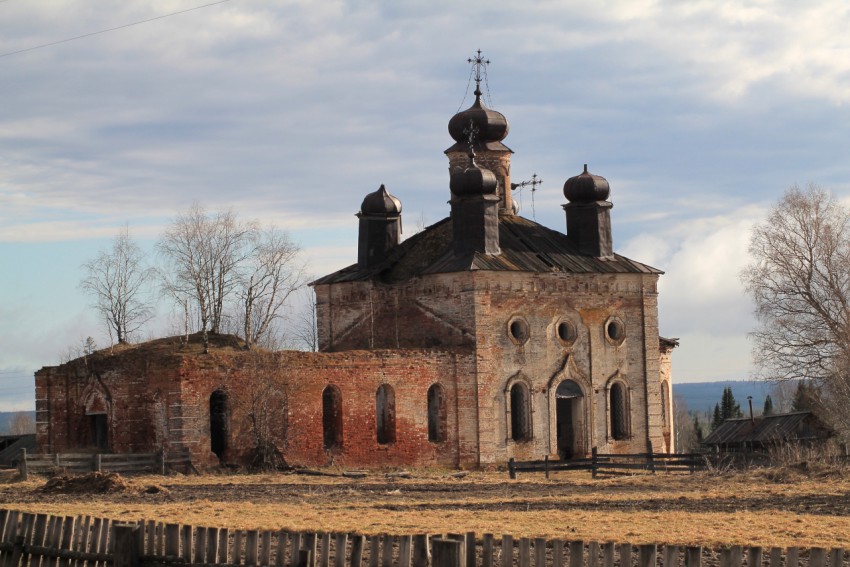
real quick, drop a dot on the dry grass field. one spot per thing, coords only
(778, 507)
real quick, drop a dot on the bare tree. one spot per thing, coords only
(223, 266)
(22, 423)
(272, 273)
(118, 281)
(203, 252)
(799, 279)
(687, 439)
(305, 327)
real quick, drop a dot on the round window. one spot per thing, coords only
(518, 330)
(615, 331)
(566, 332)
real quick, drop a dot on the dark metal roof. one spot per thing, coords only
(796, 426)
(525, 247)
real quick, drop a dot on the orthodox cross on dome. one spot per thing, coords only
(479, 64)
(533, 183)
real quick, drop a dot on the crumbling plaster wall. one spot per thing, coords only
(593, 360)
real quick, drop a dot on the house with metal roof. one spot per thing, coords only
(766, 431)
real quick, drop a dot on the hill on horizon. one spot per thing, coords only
(702, 396)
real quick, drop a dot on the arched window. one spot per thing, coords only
(385, 414)
(520, 412)
(436, 414)
(618, 406)
(219, 423)
(331, 418)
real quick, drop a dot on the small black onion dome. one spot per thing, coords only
(473, 181)
(380, 203)
(586, 188)
(492, 125)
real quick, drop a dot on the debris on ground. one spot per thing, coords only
(96, 483)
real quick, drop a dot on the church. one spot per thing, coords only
(482, 338)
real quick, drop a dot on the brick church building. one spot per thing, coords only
(484, 337)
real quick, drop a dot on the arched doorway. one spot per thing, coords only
(219, 423)
(568, 410)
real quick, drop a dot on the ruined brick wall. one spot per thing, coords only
(303, 377)
(154, 402)
(129, 391)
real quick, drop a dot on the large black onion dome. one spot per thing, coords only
(473, 181)
(491, 125)
(586, 188)
(380, 203)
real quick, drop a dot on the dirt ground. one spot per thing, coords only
(802, 505)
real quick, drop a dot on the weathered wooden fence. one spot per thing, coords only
(41, 540)
(160, 462)
(611, 464)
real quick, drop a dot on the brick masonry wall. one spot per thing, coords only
(168, 404)
(133, 390)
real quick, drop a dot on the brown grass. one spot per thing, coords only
(767, 508)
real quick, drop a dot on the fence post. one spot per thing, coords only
(126, 550)
(421, 552)
(305, 558)
(647, 555)
(594, 462)
(98, 463)
(446, 553)
(546, 465)
(161, 461)
(511, 468)
(22, 464)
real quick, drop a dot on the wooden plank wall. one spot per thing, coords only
(41, 540)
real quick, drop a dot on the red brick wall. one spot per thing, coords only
(167, 404)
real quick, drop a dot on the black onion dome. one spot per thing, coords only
(473, 181)
(380, 203)
(491, 125)
(586, 188)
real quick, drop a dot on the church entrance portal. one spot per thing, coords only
(568, 408)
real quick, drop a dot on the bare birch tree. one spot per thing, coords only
(202, 253)
(224, 265)
(799, 279)
(305, 327)
(272, 273)
(118, 281)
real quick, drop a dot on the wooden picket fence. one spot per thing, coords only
(127, 463)
(615, 464)
(33, 540)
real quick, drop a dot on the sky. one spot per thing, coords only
(699, 113)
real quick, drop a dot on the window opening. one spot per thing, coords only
(615, 330)
(518, 330)
(385, 414)
(219, 423)
(520, 413)
(619, 419)
(331, 418)
(436, 414)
